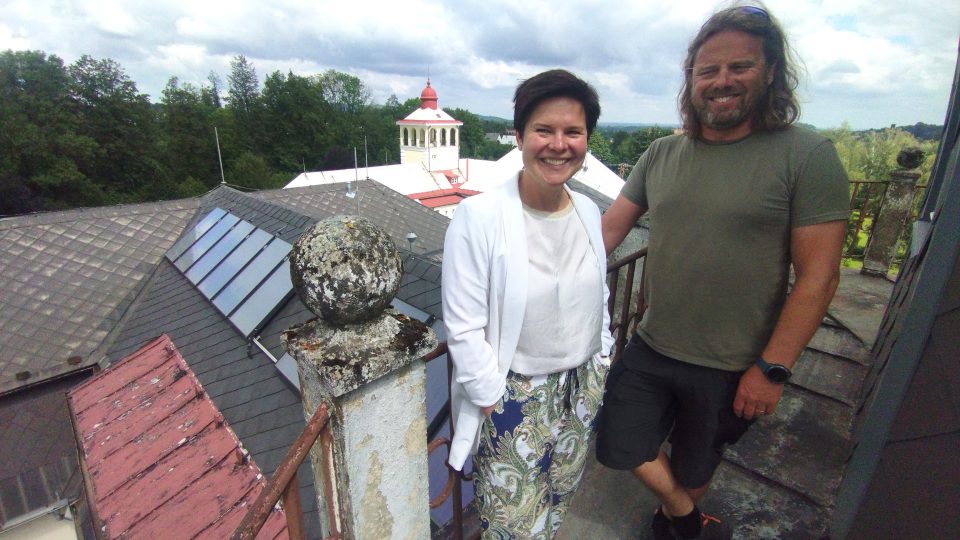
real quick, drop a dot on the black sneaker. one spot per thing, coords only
(661, 526)
(713, 529)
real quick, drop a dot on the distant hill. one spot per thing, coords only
(923, 132)
(630, 127)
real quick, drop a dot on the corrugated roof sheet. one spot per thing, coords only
(157, 452)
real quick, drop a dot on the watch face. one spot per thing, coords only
(778, 373)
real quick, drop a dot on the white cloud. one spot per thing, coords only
(866, 59)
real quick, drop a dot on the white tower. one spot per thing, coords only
(429, 135)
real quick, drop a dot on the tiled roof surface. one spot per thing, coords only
(402, 178)
(68, 277)
(397, 214)
(160, 459)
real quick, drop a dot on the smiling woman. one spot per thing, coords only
(553, 145)
(524, 301)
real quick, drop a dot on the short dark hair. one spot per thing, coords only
(780, 108)
(551, 84)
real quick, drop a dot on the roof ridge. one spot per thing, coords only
(95, 212)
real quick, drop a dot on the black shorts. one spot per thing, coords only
(648, 395)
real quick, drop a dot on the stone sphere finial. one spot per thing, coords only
(345, 269)
(910, 158)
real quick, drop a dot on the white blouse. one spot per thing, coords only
(563, 313)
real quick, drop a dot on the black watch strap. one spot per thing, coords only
(777, 373)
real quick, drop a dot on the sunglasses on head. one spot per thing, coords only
(754, 10)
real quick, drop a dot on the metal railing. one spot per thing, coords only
(283, 484)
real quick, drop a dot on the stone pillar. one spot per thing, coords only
(365, 362)
(894, 214)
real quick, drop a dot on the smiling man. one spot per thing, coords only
(733, 202)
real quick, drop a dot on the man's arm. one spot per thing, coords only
(815, 252)
(618, 220)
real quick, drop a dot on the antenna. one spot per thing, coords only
(351, 185)
(356, 193)
(366, 162)
(219, 159)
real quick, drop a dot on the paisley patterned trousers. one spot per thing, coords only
(533, 449)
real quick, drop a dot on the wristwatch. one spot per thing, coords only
(777, 373)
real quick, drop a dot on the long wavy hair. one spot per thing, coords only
(780, 106)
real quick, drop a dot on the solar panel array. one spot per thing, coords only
(244, 271)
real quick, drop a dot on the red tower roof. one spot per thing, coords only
(428, 98)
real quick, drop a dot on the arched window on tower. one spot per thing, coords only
(443, 137)
(453, 136)
(405, 137)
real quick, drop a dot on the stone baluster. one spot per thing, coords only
(365, 361)
(894, 214)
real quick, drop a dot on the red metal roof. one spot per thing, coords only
(437, 202)
(456, 190)
(442, 197)
(159, 459)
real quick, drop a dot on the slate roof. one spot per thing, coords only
(67, 278)
(387, 208)
(156, 452)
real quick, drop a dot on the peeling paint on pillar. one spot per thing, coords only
(376, 522)
(367, 363)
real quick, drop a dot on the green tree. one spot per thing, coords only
(121, 120)
(243, 98)
(38, 134)
(244, 87)
(296, 118)
(251, 171)
(600, 147)
(472, 137)
(627, 150)
(346, 92)
(188, 146)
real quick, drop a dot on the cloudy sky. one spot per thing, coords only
(870, 63)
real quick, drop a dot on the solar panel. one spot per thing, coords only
(230, 266)
(221, 249)
(198, 230)
(261, 303)
(205, 242)
(251, 276)
(241, 269)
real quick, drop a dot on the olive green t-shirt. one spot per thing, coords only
(720, 221)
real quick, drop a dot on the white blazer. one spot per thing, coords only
(484, 297)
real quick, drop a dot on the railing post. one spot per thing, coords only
(894, 215)
(371, 471)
